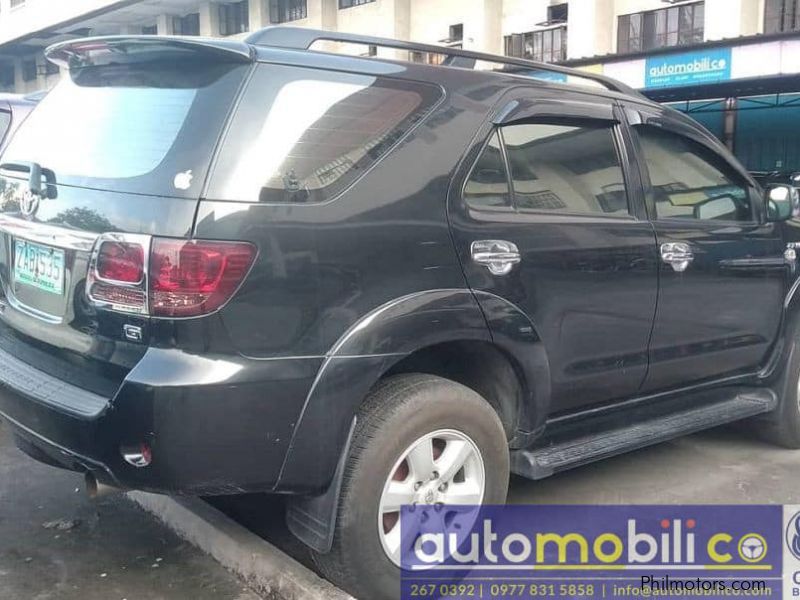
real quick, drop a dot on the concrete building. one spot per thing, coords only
(733, 64)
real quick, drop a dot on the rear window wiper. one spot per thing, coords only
(35, 174)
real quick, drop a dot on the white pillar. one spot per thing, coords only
(209, 19)
(328, 11)
(19, 83)
(259, 14)
(591, 29)
(164, 25)
(490, 38)
(732, 18)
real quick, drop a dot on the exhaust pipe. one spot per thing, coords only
(95, 489)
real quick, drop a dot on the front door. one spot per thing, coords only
(550, 183)
(722, 273)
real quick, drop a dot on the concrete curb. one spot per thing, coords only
(262, 565)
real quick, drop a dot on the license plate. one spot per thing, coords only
(39, 266)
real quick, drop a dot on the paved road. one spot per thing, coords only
(112, 553)
(721, 466)
(115, 552)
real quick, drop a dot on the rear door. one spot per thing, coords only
(121, 144)
(550, 183)
(722, 272)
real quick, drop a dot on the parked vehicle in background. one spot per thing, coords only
(366, 283)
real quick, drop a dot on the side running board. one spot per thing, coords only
(573, 446)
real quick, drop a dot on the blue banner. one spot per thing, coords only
(690, 68)
(592, 551)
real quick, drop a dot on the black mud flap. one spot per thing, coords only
(312, 519)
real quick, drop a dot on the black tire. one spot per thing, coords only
(782, 427)
(399, 411)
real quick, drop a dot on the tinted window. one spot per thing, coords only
(132, 128)
(304, 135)
(565, 168)
(487, 186)
(690, 181)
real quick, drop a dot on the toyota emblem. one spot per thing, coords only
(29, 203)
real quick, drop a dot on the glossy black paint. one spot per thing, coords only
(588, 283)
(707, 326)
(260, 396)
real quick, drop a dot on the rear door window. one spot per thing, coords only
(566, 167)
(303, 135)
(147, 128)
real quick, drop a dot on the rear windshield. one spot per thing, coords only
(144, 128)
(304, 135)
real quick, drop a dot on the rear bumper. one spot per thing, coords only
(216, 425)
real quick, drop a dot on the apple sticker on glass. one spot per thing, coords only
(183, 181)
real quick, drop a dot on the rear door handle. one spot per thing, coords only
(678, 255)
(499, 256)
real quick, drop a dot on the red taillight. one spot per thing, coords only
(120, 261)
(195, 277)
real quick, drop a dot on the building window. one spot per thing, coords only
(150, 30)
(457, 33)
(6, 75)
(781, 15)
(545, 45)
(351, 3)
(558, 13)
(663, 28)
(186, 25)
(282, 11)
(427, 58)
(29, 70)
(234, 18)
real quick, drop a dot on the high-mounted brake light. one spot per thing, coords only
(195, 277)
(165, 277)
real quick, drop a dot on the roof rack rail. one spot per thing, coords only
(302, 39)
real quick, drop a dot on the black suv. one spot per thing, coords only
(363, 282)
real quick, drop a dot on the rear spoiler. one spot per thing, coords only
(121, 49)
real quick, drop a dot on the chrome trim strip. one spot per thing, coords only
(142, 285)
(50, 235)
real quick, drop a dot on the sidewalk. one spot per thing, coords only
(57, 544)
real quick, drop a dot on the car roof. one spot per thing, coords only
(293, 45)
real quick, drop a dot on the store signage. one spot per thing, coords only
(690, 68)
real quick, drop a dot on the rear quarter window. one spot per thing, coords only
(304, 135)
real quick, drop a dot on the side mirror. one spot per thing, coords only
(780, 205)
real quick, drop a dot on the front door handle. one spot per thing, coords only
(499, 256)
(678, 255)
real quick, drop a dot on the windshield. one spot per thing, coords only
(143, 128)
